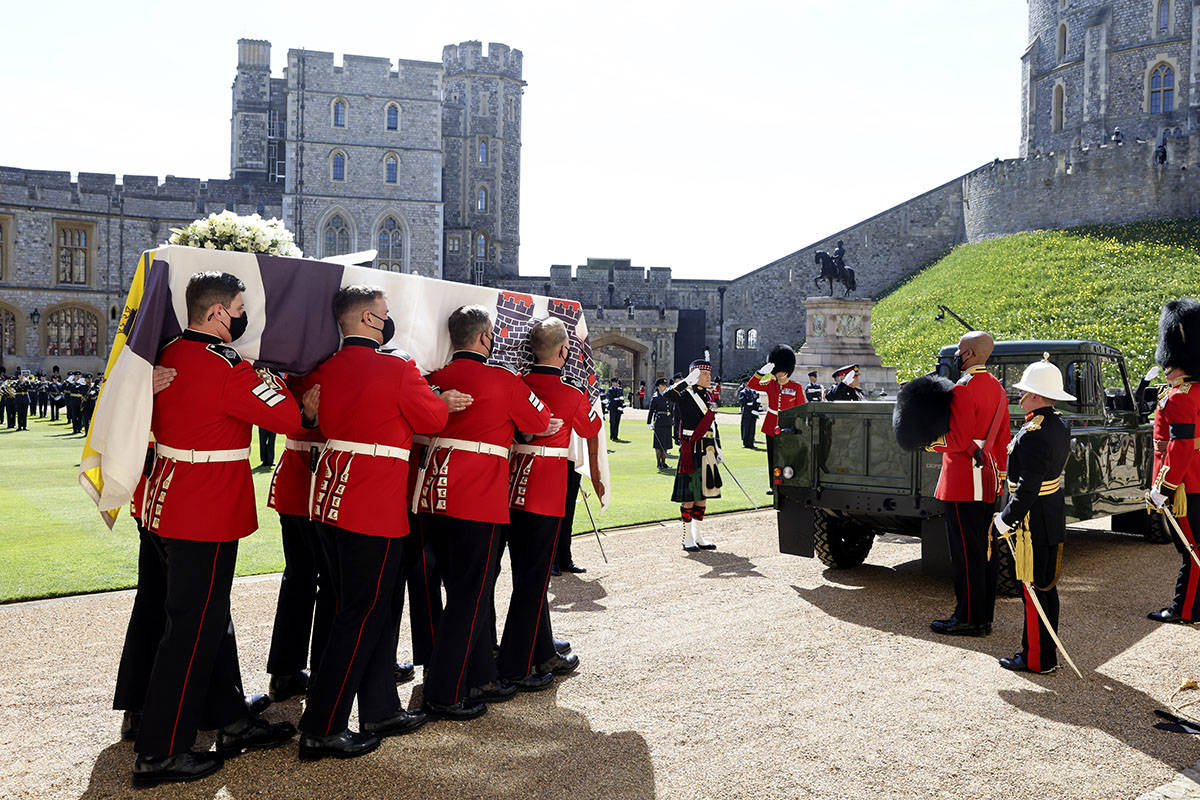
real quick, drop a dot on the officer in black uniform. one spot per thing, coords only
(659, 415)
(616, 401)
(1036, 509)
(91, 390)
(6, 405)
(814, 392)
(75, 401)
(845, 386)
(55, 396)
(749, 401)
(21, 404)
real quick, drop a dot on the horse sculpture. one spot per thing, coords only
(833, 272)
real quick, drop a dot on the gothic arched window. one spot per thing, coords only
(1059, 112)
(393, 117)
(72, 331)
(739, 340)
(337, 236)
(1164, 15)
(1162, 89)
(481, 245)
(391, 246)
(481, 200)
(391, 166)
(752, 339)
(339, 113)
(1060, 49)
(483, 151)
(337, 166)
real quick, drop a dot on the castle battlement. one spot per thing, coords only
(92, 189)
(468, 57)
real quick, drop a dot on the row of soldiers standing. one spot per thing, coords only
(35, 395)
(354, 538)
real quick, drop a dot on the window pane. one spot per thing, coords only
(1168, 100)
(339, 167)
(1155, 102)
(483, 153)
(1168, 78)
(1156, 80)
(393, 118)
(339, 114)
(391, 170)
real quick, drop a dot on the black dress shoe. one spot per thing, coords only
(404, 672)
(131, 723)
(562, 646)
(257, 703)
(574, 568)
(253, 734)
(1167, 615)
(496, 691)
(462, 710)
(402, 722)
(952, 627)
(533, 682)
(554, 570)
(709, 546)
(1017, 664)
(181, 767)
(692, 549)
(285, 687)
(559, 665)
(346, 744)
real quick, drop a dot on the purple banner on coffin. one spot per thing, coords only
(300, 329)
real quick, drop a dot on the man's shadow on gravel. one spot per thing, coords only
(569, 592)
(726, 564)
(1103, 615)
(529, 747)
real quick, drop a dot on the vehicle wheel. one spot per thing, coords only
(1007, 584)
(840, 544)
(1151, 526)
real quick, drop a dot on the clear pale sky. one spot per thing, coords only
(708, 137)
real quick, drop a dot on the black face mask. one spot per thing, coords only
(236, 326)
(958, 362)
(387, 331)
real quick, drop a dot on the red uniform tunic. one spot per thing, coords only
(978, 400)
(1175, 461)
(474, 485)
(370, 397)
(779, 398)
(292, 481)
(538, 484)
(212, 404)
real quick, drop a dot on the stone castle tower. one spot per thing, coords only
(1096, 65)
(481, 173)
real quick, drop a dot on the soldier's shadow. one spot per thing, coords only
(569, 592)
(725, 564)
(1103, 615)
(529, 747)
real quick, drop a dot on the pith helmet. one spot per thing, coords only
(1043, 378)
(1179, 336)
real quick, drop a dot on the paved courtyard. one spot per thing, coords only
(739, 673)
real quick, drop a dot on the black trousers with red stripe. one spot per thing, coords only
(1185, 601)
(361, 652)
(147, 621)
(462, 651)
(424, 578)
(195, 682)
(1036, 644)
(968, 525)
(304, 611)
(528, 639)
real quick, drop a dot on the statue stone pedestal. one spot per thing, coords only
(838, 332)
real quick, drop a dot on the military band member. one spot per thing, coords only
(537, 494)
(464, 489)
(75, 402)
(199, 500)
(21, 403)
(8, 405)
(372, 402)
(814, 392)
(616, 404)
(697, 478)
(974, 459)
(748, 400)
(43, 395)
(774, 379)
(1037, 509)
(660, 417)
(1176, 486)
(87, 406)
(845, 386)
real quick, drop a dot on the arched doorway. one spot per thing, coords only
(626, 358)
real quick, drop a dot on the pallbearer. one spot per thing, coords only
(697, 478)
(1037, 511)
(774, 378)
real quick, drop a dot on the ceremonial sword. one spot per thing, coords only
(1179, 532)
(716, 429)
(594, 528)
(1029, 587)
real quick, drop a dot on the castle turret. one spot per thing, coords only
(251, 110)
(481, 173)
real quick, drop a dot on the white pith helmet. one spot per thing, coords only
(1044, 379)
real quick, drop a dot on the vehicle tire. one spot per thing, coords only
(1007, 584)
(1151, 526)
(839, 543)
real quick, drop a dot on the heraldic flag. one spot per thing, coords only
(291, 328)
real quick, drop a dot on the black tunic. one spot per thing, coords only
(660, 416)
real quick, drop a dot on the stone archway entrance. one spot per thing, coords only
(627, 358)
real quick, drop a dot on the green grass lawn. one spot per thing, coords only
(1106, 283)
(53, 542)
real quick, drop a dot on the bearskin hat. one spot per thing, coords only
(922, 412)
(784, 358)
(1179, 336)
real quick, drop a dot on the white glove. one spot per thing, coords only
(1000, 524)
(693, 377)
(1157, 498)
(1152, 374)
(767, 368)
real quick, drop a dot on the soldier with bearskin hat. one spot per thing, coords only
(774, 378)
(1176, 466)
(697, 478)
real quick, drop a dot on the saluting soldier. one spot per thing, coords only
(1037, 509)
(845, 385)
(616, 402)
(537, 494)
(774, 378)
(696, 478)
(372, 402)
(464, 489)
(660, 417)
(748, 400)
(974, 459)
(1176, 466)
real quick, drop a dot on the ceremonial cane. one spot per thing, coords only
(1179, 532)
(1041, 612)
(594, 528)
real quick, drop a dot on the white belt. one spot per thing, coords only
(707, 434)
(774, 411)
(979, 442)
(303, 447)
(545, 452)
(470, 447)
(202, 456)
(342, 446)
